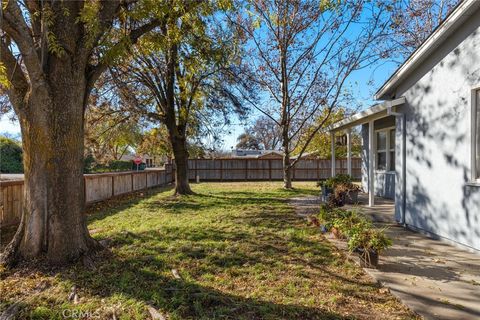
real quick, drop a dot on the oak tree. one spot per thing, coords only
(51, 54)
(179, 77)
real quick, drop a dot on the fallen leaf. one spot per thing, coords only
(155, 314)
(175, 273)
(383, 290)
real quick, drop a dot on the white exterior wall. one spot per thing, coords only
(439, 198)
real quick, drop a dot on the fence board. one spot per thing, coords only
(98, 187)
(122, 184)
(262, 169)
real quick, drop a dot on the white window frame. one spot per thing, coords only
(473, 134)
(391, 147)
(387, 150)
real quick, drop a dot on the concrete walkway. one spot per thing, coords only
(433, 278)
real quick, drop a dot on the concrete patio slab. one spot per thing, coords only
(433, 278)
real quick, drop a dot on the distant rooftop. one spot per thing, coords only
(243, 153)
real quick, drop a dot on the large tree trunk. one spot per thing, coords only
(179, 146)
(53, 224)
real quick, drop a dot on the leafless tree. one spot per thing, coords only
(301, 55)
(415, 20)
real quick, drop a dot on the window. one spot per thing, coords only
(386, 150)
(381, 150)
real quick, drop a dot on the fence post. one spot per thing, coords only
(196, 173)
(270, 169)
(221, 170)
(113, 185)
(131, 175)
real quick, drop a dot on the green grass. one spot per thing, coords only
(239, 248)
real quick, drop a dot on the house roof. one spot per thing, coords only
(243, 153)
(451, 23)
(376, 111)
(271, 153)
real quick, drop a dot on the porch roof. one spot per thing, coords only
(376, 111)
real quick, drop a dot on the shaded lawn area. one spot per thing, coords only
(239, 248)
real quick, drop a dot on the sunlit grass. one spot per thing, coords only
(239, 248)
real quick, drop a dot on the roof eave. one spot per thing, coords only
(375, 112)
(432, 42)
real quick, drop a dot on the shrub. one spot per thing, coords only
(10, 156)
(356, 227)
(120, 165)
(339, 218)
(88, 164)
(341, 187)
(91, 166)
(369, 239)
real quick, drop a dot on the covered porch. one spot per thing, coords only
(382, 155)
(433, 278)
(382, 213)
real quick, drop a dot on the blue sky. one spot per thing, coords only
(359, 82)
(364, 84)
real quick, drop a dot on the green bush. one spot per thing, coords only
(90, 166)
(120, 165)
(10, 156)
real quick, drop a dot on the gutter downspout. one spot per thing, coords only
(402, 118)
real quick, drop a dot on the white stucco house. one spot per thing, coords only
(421, 143)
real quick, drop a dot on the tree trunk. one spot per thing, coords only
(53, 224)
(287, 172)
(179, 146)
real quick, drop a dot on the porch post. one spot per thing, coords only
(349, 152)
(332, 141)
(371, 164)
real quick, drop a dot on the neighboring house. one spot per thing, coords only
(421, 145)
(257, 154)
(150, 161)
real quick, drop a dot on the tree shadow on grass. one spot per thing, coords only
(101, 210)
(232, 265)
(143, 272)
(201, 201)
(141, 282)
(185, 299)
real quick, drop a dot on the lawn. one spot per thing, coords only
(238, 251)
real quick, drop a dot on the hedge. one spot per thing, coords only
(10, 156)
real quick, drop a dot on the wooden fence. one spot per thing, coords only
(233, 169)
(98, 187)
